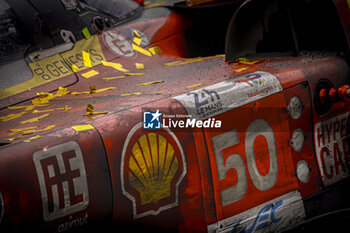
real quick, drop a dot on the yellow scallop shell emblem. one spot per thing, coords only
(152, 168)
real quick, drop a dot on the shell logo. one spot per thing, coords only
(152, 168)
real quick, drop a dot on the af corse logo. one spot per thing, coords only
(62, 179)
(153, 166)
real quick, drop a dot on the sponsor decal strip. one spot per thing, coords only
(227, 95)
(275, 215)
(85, 54)
(332, 148)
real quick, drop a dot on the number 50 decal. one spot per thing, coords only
(235, 161)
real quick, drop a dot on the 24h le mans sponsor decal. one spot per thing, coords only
(227, 95)
(152, 168)
(332, 148)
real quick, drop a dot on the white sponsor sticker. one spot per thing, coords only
(275, 215)
(62, 180)
(227, 95)
(332, 148)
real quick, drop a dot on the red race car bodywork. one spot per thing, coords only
(125, 128)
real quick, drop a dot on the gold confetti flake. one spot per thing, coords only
(79, 93)
(183, 62)
(149, 83)
(105, 89)
(35, 119)
(92, 89)
(75, 68)
(246, 61)
(51, 110)
(27, 131)
(12, 116)
(137, 38)
(90, 74)
(82, 127)
(195, 85)
(134, 74)
(33, 138)
(139, 66)
(61, 92)
(135, 93)
(141, 50)
(89, 108)
(111, 78)
(241, 69)
(86, 33)
(26, 107)
(89, 111)
(155, 50)
(19, 131)
(86, 59)
(40, 102)
(116, 66)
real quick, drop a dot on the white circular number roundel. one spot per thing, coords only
(234, 161)
(118, 44)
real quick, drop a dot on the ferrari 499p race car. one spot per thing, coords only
(197, 116)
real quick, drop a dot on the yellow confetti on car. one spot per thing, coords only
(139, 66)
(246, 61)
(155, 50)
(51, 110)
(183, 62)
(33, 138)
(116, 66)
(137, 38)
(90, 74)
(12, 116)
(134, 74)
(19, 131)
(141, 50)
(86, 33)
(75, 68)
(111, 78)
(27, 107)
(86, 59)
(135, 93)
(31, 130)
(27, 131)
(195, 85)
(149, 83)
(90, 112)
(79, 128)
(105, 89)
(61, 92)
(93, 90)
(241, 69)
(35, 119)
